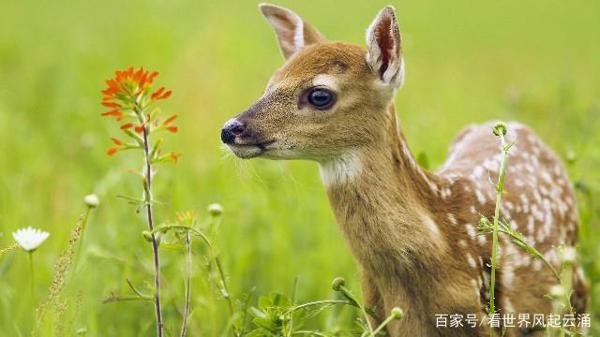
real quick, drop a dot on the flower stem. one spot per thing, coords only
(321, 302)
(188, 279)
(382, 325)
(149, 217)
(214, 259)
(31, 278)
(496, 225)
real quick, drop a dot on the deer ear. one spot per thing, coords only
(292, 32)
(384, 48)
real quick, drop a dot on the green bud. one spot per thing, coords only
(500, 129)
(147, 236)
(215, 209)
(338, 283)
(91, 200)
(571, 156)
(397, 313)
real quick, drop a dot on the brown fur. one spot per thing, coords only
(412, 231)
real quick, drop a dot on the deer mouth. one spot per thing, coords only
(250, 150)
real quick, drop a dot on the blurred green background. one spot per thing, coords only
(467, 62)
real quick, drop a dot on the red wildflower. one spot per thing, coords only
(129, 95)
(128, 83)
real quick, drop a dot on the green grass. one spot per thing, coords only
(536, 62)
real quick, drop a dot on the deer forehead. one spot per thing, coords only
(335, 58)
(326, 80)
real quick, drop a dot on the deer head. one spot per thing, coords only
(328, 98)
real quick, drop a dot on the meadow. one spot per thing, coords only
(536, 62)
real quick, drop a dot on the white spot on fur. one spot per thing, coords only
(508, 275)
(341, 170)
(508, 306)
(480, 197)
(476, 287)
(471, 231)
(325, 80)
(431, 225)
(471, 261)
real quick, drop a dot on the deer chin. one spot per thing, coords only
(247, 151)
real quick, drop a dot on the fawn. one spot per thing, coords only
(412, 231)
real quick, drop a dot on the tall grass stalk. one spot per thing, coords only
(214, 260)
(62, 267)
(561, 293)
(188, 286)
(150, 222)
(8, 249)
(130, 96)
(499, 131)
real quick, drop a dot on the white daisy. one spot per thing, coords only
(30, 238)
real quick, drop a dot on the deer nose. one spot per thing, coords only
(232, 128)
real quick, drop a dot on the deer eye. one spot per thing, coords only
(321, 98)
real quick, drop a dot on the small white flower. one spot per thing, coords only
(30, 238)
(91, 200)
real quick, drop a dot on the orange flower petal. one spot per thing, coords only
(126, 126)
(139, 129)
(172, 129)
(138, 74)
(111, 105)
(112, 150)
(166, 95)
(116, 141)
(175, 156)
(114, 113)
(152, 76)
(110, 91)
(157, 93)
(169, 120)
(143, 80)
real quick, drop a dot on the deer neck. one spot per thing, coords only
(383, 202)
